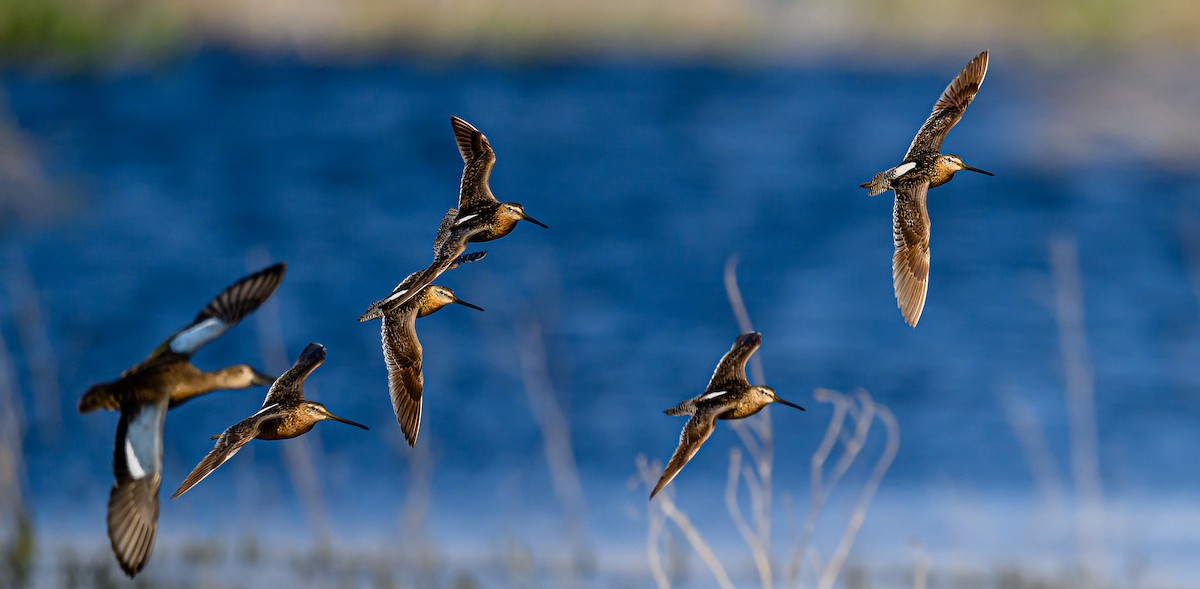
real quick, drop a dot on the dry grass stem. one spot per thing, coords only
(757, 436)
(850, 425)
(556, 438)
(12, 418)
(655, 527)
(663, 502)
(859, 515)
(1023, 420)
(1081, 409)
(298, 453)
(39, 353)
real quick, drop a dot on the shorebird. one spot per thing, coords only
(284, 414)
(145, 392)
(402, 350)
(729, 396)
(376, 309)
(924, 167)
(402, 353)
(475, 200)
(479, 216)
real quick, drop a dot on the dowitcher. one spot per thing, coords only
(402, 354)
(729, 396)
(476, 204)
(924, 167)
(284, 414)
(145, 392)
(402, 350)
(479, 216)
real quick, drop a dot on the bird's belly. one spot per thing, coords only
(740, 412)
(281, 429)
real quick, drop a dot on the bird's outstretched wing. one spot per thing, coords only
(137, 470)
(478, 157)
(949, 108)
(910, 263)
(447, 256)
(732, 367)
(228, 444)
(290, 385)
(376, 309)
(695, 432)
(223, 312)
(402, 354)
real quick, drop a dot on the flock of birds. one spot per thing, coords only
(145, 392)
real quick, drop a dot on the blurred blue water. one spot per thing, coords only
(650, 177)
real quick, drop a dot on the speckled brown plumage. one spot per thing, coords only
(285, 414)
(924, 167)
(144, 393)
(729, 395)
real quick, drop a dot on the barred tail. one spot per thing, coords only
(684, 408)
(882, 182)
(375, 311)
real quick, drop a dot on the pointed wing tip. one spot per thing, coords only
(662, 484)
(751, 337)
(133, 522)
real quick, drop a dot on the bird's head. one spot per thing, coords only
(768, 394)
(240, 376)
(437, 297)
(956, 163)
(513, 212)
(317, 412)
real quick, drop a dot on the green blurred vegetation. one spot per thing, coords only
(84, 31)
(87, 31)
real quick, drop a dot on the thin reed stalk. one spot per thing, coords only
(850, 426)
(556, 438)
(756, 435)
(859, 514)
(1081, 406)
(649, 472)
(299, 452)
(39, 353)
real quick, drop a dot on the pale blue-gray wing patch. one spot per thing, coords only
(193, 337)
(137, 469)
(223, 312)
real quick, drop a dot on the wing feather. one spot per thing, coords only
(478, 157)
(910, 263)
(731, 370)
(402, 354)
(137, 469)
(228, 444)
(949, 108)
(695, 432)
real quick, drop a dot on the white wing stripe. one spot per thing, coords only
(265, 409)
(131, 462)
